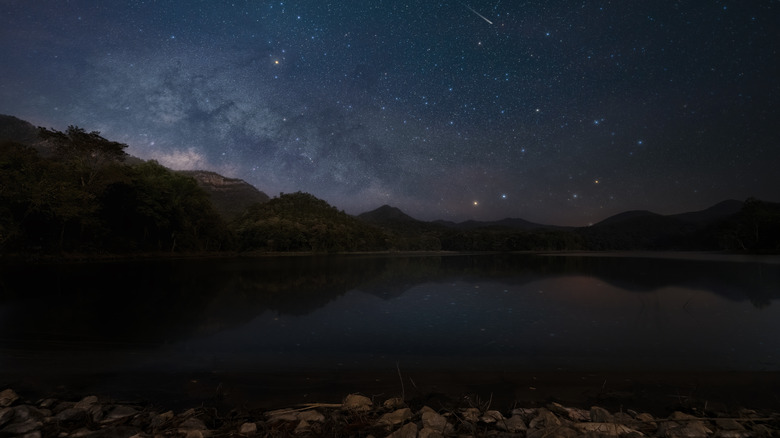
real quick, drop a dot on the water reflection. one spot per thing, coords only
(439, 312)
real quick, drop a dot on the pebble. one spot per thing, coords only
(359, 416)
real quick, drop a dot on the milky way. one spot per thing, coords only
(557, 112)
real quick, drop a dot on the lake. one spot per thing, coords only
(307, 328)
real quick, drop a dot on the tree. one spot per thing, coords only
(86, 152)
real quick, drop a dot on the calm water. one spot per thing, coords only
(445, 313)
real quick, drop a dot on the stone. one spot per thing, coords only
(605, 429)
(432, 420)
(470, 414)
(600, 415)
(87, 402)
(513, 424)
(71, 415)
(728, 424)
(47, 403)
(6, 414)
(394, 418)
(555, 431)
(192, 424)
(683, 426)
(160, 420)
(26, 412)
(645, 423)
(311, 416)
(302, 427)
(735, 434)
(429, 433)
(491, 417)
(645, 417)
(248, 429)
(120, 413)
(281, 415)
(544, 419)
(8, 397)
(394, 403)
(409, 430)
(357, 403)
(21, 428)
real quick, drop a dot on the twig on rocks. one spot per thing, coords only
(403, 392)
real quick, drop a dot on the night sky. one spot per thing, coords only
(557, 112)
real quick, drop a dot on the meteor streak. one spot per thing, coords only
(478, 14)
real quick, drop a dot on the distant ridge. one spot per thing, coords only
(230, 196)
(386, 215)
(718, 211)
(510, 223)
(626, 216)
(18, 130)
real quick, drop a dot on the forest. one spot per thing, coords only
(80, 195)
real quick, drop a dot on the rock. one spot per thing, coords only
(247, 429)
(192, 424)
(302, 427)
(728, 424)
(409, 430)
(311, 416)
(71, 415)
(605, 429)
(26, 412)
(394, 403)
(281, 415)
(429, 433)
(470, 414)
(161, 419)
(87, 402)
(600, 415)
(6, 414)
(120, 413)
(432, 420)
(491, 417)
(544, 419)
(47, 403)
(527, 413)
(357, 403)
(21, 428)
(683, 426)
(555, 431)
(8, 397)
(515, 423)
(394, 418)
(735, 434)
(645, 423)
(645, 417)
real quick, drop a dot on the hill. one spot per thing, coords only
(230, 196)
(302, 222)
(387, 215)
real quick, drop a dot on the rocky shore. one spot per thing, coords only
(360, 416)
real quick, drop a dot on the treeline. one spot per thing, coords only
(79, 196)
(82, 197)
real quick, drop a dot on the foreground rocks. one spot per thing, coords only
(360, 416)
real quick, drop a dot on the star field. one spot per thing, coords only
(556, 112)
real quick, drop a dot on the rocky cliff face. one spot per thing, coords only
(230, 196)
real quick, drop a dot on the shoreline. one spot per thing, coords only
(656, 392)
(9, 259)
(362, 415)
